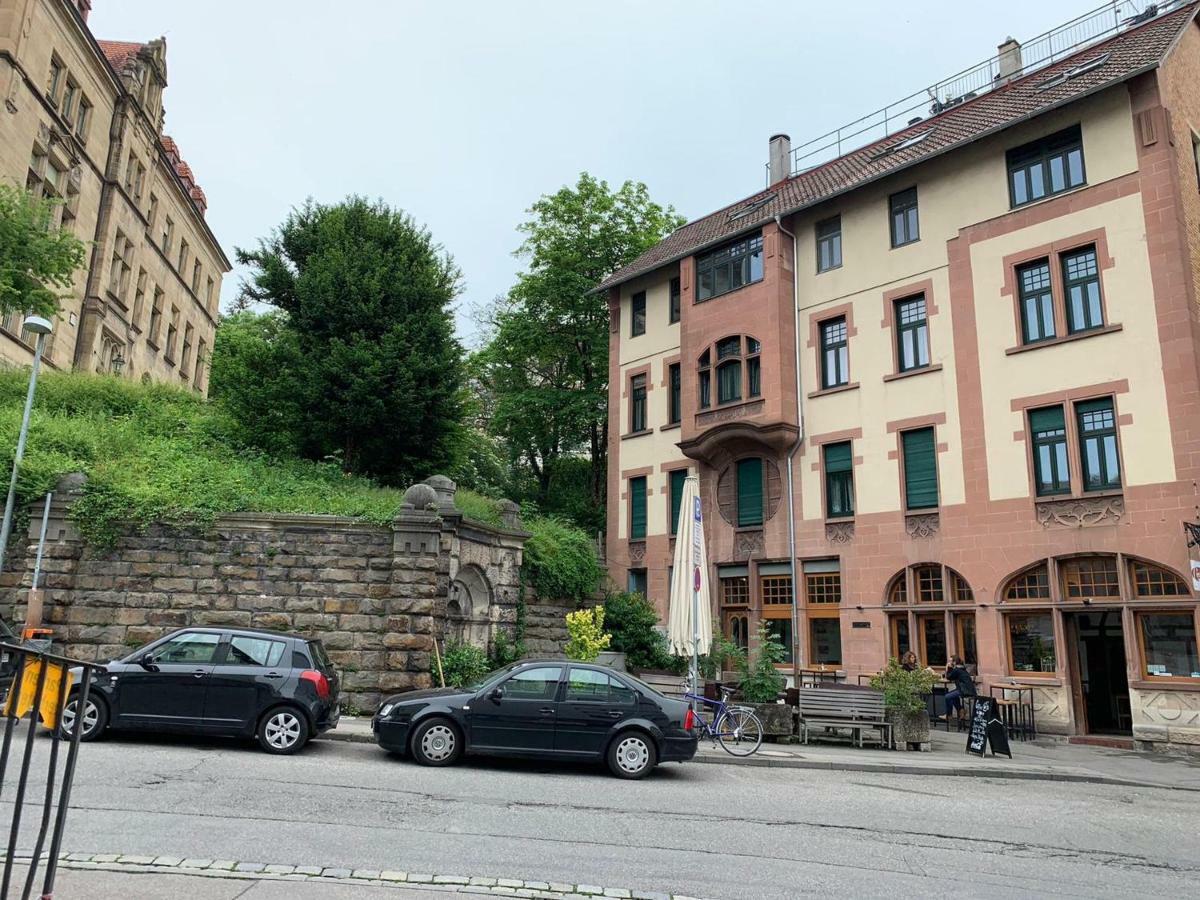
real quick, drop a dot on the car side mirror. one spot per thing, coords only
(147, 662)
(496, 694)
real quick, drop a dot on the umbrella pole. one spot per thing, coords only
(695, 641)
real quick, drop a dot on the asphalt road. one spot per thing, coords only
(702, 830)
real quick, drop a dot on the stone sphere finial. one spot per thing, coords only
(420, 496)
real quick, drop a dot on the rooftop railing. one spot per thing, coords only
(1036, 53)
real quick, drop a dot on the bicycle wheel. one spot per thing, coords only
(739, 732)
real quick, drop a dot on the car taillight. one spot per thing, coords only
(320, 682)
(689, 721)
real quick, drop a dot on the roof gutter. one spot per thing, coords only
(792, 451)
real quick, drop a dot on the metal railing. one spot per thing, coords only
(1036, 53)
(51, 675)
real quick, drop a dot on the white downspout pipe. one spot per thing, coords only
(795, 448)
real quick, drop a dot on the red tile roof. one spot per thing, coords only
(119, 53)
(1131, 52)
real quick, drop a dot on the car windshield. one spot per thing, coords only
(478, 683)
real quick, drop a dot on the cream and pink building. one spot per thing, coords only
(946, 384)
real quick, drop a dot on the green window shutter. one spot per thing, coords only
(1049, 419)
(677, 479)
(637, 513)
(749, 492)
(837, 458)
(920, 469)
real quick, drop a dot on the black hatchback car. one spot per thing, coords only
(280, 688)
(555, 709)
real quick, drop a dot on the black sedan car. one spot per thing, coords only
(556, 709)
(280, 688)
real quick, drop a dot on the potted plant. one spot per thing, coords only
(905, 704)
(723, 656)
(762, 685)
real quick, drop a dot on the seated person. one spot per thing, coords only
(909, 663)
(964, 685)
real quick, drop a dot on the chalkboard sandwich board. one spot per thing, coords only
(986, 728)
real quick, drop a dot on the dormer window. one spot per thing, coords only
(729, 267)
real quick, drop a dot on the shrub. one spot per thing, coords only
(560, 561)
(904, 691)
(631, 620)
(586, 637)
(762, 683)
(723, 655)
(462, 663)
(505, 650)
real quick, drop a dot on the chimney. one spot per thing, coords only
(781, 157)
(1010, 60)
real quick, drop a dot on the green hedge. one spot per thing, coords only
(560, 561)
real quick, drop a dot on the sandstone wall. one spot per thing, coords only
(375, 595)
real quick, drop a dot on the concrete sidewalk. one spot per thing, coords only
(1046, 759)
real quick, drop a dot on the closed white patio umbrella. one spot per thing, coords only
(689, 618)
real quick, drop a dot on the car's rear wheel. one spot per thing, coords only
(436, 742)
(632, 754)
(283, 731)
(95, 718)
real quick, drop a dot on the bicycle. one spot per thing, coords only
(736, 728)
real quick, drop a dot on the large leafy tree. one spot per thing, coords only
(37, 259)
(545, 364)
(363, 364)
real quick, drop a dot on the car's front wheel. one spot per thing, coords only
(95, 718)
(632, 754)
(436, 742)
(283, 731)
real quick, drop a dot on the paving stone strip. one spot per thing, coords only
(462, 884)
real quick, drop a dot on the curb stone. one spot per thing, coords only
(252, 871)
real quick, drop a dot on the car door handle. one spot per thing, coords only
(615, 714)
(273, 675)
(199, 673)
(546, 710)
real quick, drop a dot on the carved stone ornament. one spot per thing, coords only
(839, 532)
(637, 551)
(748, 544)
(730, 413)
(922, 525)
(1080, 513)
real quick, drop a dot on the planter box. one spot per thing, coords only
(777, 718)
(612, 659)
(909, 729)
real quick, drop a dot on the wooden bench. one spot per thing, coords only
(855, 709)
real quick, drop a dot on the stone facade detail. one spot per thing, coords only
(922, 525)
(1080, 513)
(729, 414)
(839, 532)
(376, 595)
(637, 551)
(748, 544)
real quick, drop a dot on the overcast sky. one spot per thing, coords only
(462, 113)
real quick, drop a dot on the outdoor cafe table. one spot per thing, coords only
(811, 676)
(1021, 689)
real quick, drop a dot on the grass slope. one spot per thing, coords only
(155, 453)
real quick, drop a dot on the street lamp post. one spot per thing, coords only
(41, 327)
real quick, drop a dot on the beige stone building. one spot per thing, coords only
(82, 121)
(940, 381)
